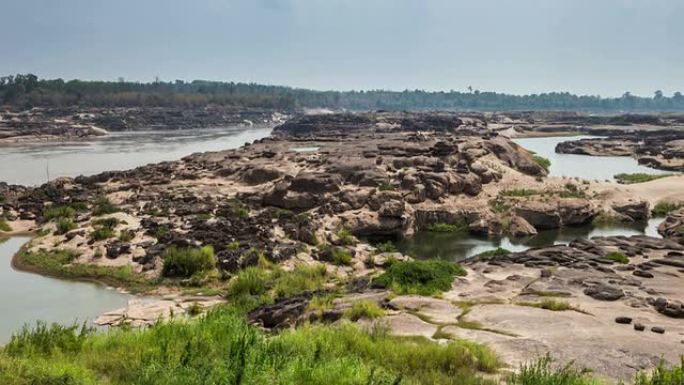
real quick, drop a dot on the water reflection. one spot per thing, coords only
(457, 247)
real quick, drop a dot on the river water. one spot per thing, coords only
(26, 297)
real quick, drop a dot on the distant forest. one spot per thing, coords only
(26, 91)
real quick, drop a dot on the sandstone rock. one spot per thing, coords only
(604, 292)
(519, 227)
(634, 210)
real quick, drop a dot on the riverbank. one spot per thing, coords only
(278, 228)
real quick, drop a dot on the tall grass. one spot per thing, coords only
(426, 277)
(543, 373)
(4, 226)
(185, 262)
(221, 348)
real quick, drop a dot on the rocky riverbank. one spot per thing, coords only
(287, 220)
(59, 124)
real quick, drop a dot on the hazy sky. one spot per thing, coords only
(520, 46)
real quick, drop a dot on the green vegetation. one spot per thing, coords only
(126, 235)
(161, 231)
(62, 264)
(428, 277)
(661, 375)
(456, 227)
(661, 209)
(56, 212)
(386, 247)
(104, 206)
(617, 257)
(543, 162)
(4, 226)
(64, 225)
(101, 233)
(302, 278)
(341, 256)
(571, 190)
(543, 373)
(499, 251)
(386, 187)
(186, 262)
(346, 237)
(638, 177)
(109, 223)
(364, 309)
(27, 90)
(519, 192)
(551, 304)
(222, 348)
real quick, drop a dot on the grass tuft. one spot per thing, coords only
(428, 277)
(638, 177)
(617, 257)
(364, 309)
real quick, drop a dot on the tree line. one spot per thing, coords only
(27, 90)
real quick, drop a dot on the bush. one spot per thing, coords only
(661, 209)
(109, 223)
(104, 206)
(542, 373)
(618, 257)
(185, 262)
(427, 277)
(386, 247)
(457, 227)
(346, 238)
(364, 309)
(302, 278)
(126, 235)
(64, 225)
(55, 212)
(341, 256)
(252, 281)
(543, 162)
(101, 233)
(638, 177)
(4, 226)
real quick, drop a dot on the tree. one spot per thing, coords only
(658, 95)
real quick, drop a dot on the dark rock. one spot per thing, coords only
(623, 320)
(604, 292)
(658, 329)
(639, 327)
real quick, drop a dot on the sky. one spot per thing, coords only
(596, 47)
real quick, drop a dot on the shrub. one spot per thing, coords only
(386, 247)
(427, 277)
(55, 212)
(617, 256)
(185, 262)
(4, 226)
(64, 225)
(364, 309)
(233, 246)
(638, 177)
(101, 233)
(457, 227)
(661, 209)
(499, 251)
(346, 238)
(542, 373)
(302, 278)
(341, 256)
(252, 281)
(104, 206)
(543, 162)
(109, 223)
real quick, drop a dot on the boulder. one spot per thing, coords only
(519, 227)
(633, 210)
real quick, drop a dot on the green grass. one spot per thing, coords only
(55, 212)
(126, 235)
(4, 226)
(661, 209)
(542, 372)
(617, 257)
(341, 256)
(222, 348)
(59, 263)
(301, 278)
(109, 223)
(101, 233)
(428, 277)
(661, 375)
(104, 206)
(638, 177)
(64, 225)
(364, 309)
(386, 247)
(386, 187)
(186, 262)
(346, 237)
(551, 304)
(499, 251)
(519, 192)
(456, 227)
(543, 162)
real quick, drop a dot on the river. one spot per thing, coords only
(26, 297)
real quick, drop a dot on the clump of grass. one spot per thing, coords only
(4, 226)
(456, 227)
(519, 192)
(101, 233)
(499, 205)
(364, 309)
(661, 209)
(661, 375)
(386, 247)
(44, 339)
(617, 257)
(346, 238)
(551, 304)
(302, 278)
(638, 177)
(386, 187)
(109, 223)
(428, 277)
(222, 347)
(62, 264)
(541, 372)
(541, 161)
(499, 251)
(320, 303)
(571, 190)
(233, 246)
(104, 206)
(161, 231)
(64, 225)
(126, 235)
(56, 212)
(341, 256)
(185, 262)
(195, 309)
